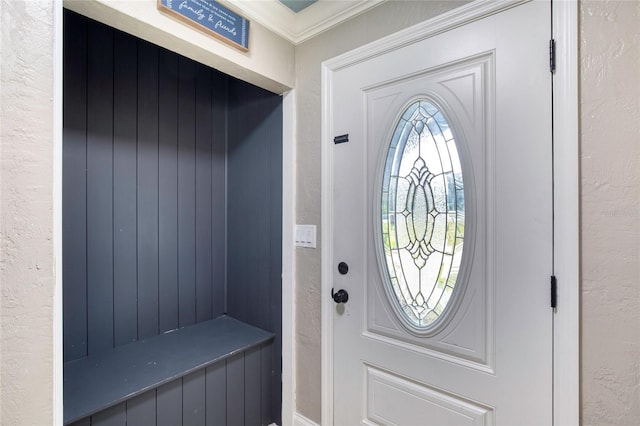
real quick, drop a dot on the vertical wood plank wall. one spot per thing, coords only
(254, 225)
(171, 216)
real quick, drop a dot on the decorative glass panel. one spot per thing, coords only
(422, 214)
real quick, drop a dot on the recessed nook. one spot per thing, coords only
(172, 237)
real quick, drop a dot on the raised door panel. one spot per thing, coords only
(464, 332)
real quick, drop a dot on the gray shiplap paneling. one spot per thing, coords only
(193, 398)
(125, 265)
(168, 196)
(84, 422)
(147, 190)
(131, 197)
(235, 390)
(252, 389)
(113, 416)
(74, 183)
(269, 403)
(99, 188)
(141, 410)
(145, 240)
(169, 404)
(254, 259)
(203, 185)
(186, 193)
(216, 389)
(254, 191)
(219, 187)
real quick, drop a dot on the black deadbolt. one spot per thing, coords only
(341, 296)
(343, 268)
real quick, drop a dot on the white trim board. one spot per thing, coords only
(288, 256)
(566, 317)
(308, 23)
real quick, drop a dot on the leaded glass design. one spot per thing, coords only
(422, 214)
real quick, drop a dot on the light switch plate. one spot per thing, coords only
(306, 236)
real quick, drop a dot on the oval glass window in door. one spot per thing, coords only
(423, 215)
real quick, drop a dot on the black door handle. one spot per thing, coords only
(341, 296)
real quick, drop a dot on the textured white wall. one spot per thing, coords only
(26, 212)
(610, 207)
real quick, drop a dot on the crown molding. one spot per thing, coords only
(299, 27)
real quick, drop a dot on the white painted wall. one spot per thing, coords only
(268, 63)
(610, 209)
(27, 275)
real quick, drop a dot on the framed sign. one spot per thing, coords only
(212, 18)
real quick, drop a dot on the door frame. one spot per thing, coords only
(566, 355)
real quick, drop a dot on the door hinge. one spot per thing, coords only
(554, 292)
(552, 56)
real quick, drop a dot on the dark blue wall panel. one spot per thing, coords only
(138, 191)
(193, 398)
(125, 127)
(235, 390)
(186, 192)
(74, 182)
(252, 387)
(216, 382)
(169, 404)
(99, 188)
(204, 200)
(219, 187)
(114, 416)
(147, 190)
(168, 197)
(141, 410)
(254, 224)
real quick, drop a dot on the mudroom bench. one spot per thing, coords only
(98, 382)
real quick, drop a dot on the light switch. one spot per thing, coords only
(306, 236)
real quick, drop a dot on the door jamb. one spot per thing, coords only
(566, 407)
(566, 333)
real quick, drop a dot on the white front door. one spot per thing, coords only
(441, 217)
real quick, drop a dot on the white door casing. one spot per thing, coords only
(497, 346)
